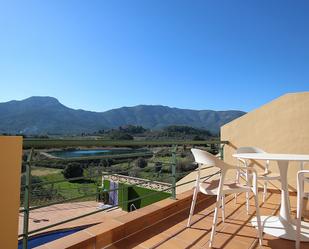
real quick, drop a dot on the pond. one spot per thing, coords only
(96, 152)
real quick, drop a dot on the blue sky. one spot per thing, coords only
(99, 55)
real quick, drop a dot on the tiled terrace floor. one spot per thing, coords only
(235, 233)
(56, 213)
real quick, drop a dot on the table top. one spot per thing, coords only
(273, 156)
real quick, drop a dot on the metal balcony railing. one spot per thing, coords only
(171, 188)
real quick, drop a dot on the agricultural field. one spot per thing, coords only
(156, 165)
(62, 189)
(63, 143)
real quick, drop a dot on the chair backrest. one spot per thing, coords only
(203, 157)
(249, 150)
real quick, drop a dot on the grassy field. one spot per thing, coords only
(71, 189)
(43, 171)
(48, 193)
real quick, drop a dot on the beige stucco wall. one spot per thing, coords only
(281, 126)
(10, 163)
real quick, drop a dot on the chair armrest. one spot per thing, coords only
(302, 172)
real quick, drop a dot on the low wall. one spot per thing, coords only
(10, 163)
(106, 233)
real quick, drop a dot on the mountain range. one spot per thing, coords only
(46, 115)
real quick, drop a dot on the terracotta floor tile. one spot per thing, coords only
(55, 213)
(194, 237)
(174, 243)
(235, 233)
(155, 241)
(124, 244)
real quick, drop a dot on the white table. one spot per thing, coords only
(282, 226)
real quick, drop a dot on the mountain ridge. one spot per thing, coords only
(46, 115)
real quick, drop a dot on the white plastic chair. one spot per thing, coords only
(220, 187)
(301, 180)
(266, 176)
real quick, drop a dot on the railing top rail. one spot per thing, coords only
(126, 201)
(37, 143)
(111, 156)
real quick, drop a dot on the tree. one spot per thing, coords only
(118, 135)
(73, 170)
(141, 163)
(198, 138)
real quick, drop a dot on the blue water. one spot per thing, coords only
(45, 238)
(87, 153)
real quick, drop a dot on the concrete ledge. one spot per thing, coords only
(106, 233)
(79, 240)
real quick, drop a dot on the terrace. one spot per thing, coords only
(162, 224)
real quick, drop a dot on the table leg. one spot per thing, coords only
(285, 207)
(283, 226)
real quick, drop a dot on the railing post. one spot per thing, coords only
(174, 162)
(27, 193)
(221, 151)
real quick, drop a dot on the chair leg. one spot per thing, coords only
(223, 208)
(214, 223)
(247, 193)
(247, 203)
(298, 222)
(299, 213)
(258, 217)
(265, 191)
(192, 206)
(237, 181)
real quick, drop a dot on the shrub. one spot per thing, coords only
(103, 196)
(73, 170)
(185, 165)
(119, 169)
(165, 152)
(141, 163)
(134, 172)
(158, 167)
(120, 136)
(106, 162)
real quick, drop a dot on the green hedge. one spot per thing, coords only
(135, 192)
(106, 184)
(127, 193)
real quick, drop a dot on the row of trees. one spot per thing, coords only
(174, 131)
(128, 132)
(73, 170)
